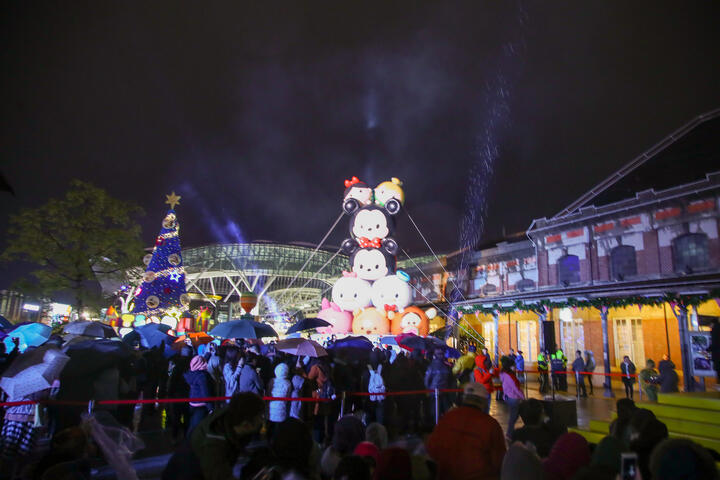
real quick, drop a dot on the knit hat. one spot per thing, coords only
(198, 363)
(475, 394)
(367, 449)
(519, 462)
(349, 431)
(568, 454)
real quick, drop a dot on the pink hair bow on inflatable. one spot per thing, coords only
(349, 274)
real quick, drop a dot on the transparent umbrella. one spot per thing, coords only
(33, 371)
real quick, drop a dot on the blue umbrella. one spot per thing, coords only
(452, 353)
(152, 336)
(308, 324)
(388, 340)
(30, 335)
(243, 328)
(5, 323)
(357, 348)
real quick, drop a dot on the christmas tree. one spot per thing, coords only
(162, 291)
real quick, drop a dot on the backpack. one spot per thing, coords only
(376, 384)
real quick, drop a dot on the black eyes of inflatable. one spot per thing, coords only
(361, 266)
(377, 226)
(341, 295)
(377, 267)
(397, 295)
(355, 295)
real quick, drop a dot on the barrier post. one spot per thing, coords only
(437, 405)
(552, 385)
(577, 385)
(639, 387)
(342, 406)
(91, 406)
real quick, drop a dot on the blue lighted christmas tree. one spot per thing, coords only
(162, 291)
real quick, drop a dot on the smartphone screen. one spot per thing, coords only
(629, 468)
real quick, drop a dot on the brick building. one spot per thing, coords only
(648, 232)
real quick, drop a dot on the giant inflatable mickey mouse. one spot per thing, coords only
(372, 278)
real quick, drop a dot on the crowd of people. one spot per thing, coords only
(333, 417)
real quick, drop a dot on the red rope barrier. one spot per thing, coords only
(611, 374)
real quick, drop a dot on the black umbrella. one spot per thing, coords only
(352, 347)
(442, 332)
(416, 342)
(308, 324)
(90, 329)
(91, 356)
(243, 328)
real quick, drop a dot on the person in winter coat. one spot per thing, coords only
(320, 374)
(520, 366)
(570, 453)
(483, 377)
(199, 381)
(542, 367)
(668, 376)
(467, 443)
(234, 363)
(464, 365)
(279, 386)
(578, 367)
(589, 367)
(511, 392)
(627, 368)
(179, 413)
(250, 380)
(648, 378)
(297, 408)
(438, 375)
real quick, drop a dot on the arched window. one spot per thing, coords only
(623, 262)
(524, 284)
(568, 267)
(690, 252)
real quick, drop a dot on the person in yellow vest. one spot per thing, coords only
(559, 376)
(464, 365)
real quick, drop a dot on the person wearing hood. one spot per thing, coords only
(668, 378)
(250, 380)
(280, 387)
(464, 365)
(215, 369)
(467, 442)
(199, 381)
(297, 408)
(570, 453)
(578, 368)
(438, 375)
(520, 462)
(483, 376)
(232, 369)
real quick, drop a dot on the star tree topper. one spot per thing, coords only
(173, 200)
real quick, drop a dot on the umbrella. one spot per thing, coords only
(308, 324)
(94, 355)
(30, 335)
(410, 341)
(197, 339)
(5, 323)
(301, 347)
(243, 328)
(90, 329)
(33, 371)
(357, 348)
(153, 336)
(388, 340)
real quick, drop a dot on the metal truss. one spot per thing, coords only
(265, 269)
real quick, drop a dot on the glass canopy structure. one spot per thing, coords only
(274, 272)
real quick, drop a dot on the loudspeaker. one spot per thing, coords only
(549, 336)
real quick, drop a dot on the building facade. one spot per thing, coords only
(631, 268)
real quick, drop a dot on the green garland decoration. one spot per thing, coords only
(544, 306)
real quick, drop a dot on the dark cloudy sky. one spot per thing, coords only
(255, 112)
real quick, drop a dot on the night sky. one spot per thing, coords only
(256, 112)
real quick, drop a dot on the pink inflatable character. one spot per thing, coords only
(340, 319)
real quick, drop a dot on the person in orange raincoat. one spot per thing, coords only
(484, 377)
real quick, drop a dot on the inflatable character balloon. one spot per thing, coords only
(340, 319)
(413, 320)
(370, 321)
